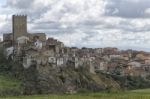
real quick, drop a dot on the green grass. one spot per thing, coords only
(8, 83)
(136, 94)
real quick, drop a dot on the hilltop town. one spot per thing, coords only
(31, 49)
(46, 65)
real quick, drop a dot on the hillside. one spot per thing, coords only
(9, 85)
(48, 79)
(65, 80)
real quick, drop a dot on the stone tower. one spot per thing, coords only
(19, 23)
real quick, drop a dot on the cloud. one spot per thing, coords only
(128, 8)
(147, 11)
(90, 23)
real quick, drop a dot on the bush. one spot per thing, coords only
(10, 92)
(83, 90)
(4, 64)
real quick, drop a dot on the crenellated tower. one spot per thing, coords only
(19, 23)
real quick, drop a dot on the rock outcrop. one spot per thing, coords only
(47, 79)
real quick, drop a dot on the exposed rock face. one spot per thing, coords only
(47, 79)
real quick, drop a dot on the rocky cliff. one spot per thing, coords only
(48, 79)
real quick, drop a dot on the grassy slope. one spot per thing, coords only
(136, 94)
(8, 83)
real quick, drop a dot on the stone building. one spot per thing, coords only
(19, 26)
(34, 48)
(19, 29)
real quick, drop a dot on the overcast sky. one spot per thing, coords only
(91, 23)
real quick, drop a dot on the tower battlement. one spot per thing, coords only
(19, 16)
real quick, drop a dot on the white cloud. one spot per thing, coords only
(90, 23)
(72, 39)
(147, 11)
